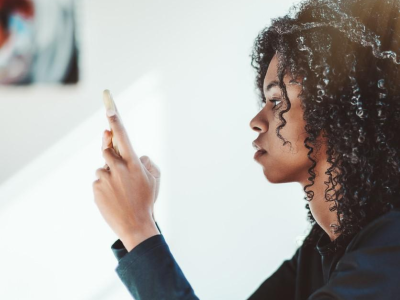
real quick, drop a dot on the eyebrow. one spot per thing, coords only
(271, 85)
(276, 83)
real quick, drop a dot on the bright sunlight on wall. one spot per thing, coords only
(46, 226)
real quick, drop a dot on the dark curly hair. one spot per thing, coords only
(346, 52)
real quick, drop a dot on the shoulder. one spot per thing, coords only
(383, 231)
(369, 268)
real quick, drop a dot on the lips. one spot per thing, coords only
(258, 147)
(259, 153)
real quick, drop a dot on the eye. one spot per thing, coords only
(273, 101)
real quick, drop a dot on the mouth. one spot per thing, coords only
(259, 150)
(258, 154)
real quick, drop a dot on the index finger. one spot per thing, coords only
(120, 137)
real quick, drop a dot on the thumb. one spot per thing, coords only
(150, 166)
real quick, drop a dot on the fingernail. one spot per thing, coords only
(109, 103)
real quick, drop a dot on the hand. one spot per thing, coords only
(146, 161)
(125, 194)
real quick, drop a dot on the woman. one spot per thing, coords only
(328, 76)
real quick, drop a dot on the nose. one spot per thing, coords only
(259, 124)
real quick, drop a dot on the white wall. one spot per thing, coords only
(181, 74)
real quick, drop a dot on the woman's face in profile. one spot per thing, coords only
(280, 163)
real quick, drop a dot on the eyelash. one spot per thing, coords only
(272, 100)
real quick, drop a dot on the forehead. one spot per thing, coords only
(272, 71)
(271, 77)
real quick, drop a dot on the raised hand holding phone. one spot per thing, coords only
(126, 191)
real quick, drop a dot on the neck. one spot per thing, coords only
(318, 205)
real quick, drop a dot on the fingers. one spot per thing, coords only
(150, 166)
(146, 161)
(111, 157)
(119, 138)
(101, 173)
(107, 143)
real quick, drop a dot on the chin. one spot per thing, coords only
(272, 178)
(276, 177)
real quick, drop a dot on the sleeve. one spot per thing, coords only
(370, 270)
(119, 249)
(149, 271)
(281, 284)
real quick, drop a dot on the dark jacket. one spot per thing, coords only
(367, 269)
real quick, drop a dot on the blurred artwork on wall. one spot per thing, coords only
(38, 42)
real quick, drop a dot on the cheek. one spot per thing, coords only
(288, 163)
(286, 166)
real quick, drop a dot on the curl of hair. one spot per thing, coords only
(346, 53)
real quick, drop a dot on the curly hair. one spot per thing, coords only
(346, 52)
